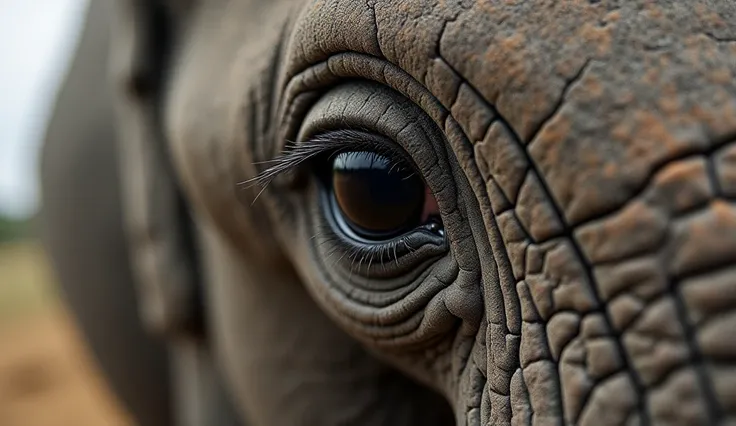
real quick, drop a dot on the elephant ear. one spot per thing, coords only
(158, 225)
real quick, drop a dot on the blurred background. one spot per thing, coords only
(47, 376)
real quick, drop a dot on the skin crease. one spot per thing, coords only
(583, 159)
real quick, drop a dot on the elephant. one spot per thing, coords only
(556, 243)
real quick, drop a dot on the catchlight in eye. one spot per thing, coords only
(379, 197)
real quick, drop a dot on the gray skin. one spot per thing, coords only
(583, 157)
(82, 228)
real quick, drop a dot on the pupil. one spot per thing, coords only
(377, 195)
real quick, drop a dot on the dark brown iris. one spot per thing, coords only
(377, 196)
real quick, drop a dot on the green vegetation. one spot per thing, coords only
(25, 278)
(15, 229)
(26, 283)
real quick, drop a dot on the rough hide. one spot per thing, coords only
(583, 158)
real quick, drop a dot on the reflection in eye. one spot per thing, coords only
(379, 197)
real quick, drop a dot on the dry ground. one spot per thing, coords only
(47, 377)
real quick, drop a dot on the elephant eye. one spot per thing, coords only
(377, 197)
(372, 203)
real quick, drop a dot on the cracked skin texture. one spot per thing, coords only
(583, 156)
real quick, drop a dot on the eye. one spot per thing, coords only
(378, 197)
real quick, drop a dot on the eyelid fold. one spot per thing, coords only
(366, 115)
(357, 115)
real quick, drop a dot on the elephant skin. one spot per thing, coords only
(583, 159)
(82, 229)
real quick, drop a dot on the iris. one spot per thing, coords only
(379, 197)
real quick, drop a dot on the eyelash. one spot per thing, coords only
(326, 145)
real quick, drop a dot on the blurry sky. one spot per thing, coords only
(37, 38)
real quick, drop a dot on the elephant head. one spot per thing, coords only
(436, 211)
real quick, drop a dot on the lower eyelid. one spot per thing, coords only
(396, 257)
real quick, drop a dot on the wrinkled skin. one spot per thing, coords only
(583, 157)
